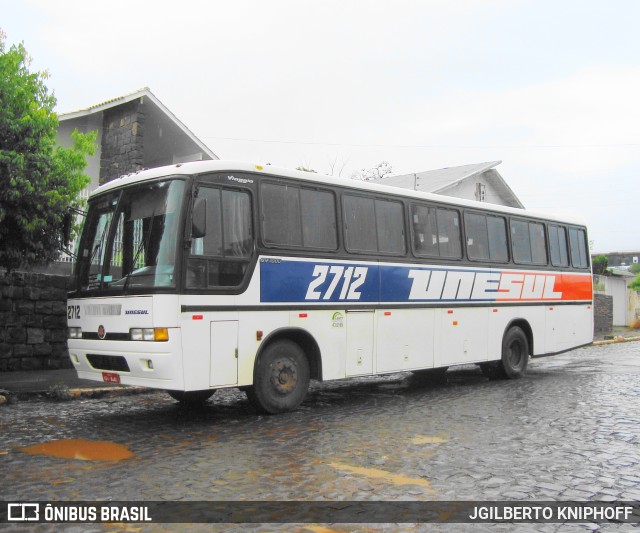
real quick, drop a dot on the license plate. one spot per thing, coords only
(109, 377)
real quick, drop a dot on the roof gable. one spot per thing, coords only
(442, 181)
(143, 93)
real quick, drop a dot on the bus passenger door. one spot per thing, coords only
(359, 342)
(223, 369)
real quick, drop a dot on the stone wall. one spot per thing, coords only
(33, 321)
(122, 140)
(602, 314)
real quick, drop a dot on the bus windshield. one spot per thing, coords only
(130, 239)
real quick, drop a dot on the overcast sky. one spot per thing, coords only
(550, 88)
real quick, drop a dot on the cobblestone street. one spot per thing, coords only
(569, 431)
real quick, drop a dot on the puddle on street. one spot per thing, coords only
(81, 449)
(390, 477)
(428, 440)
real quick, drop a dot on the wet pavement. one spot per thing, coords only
(569, 431)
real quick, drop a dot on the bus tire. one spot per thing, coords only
(194, 397)
(281, 378)
(515, 354)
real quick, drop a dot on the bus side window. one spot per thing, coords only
(221, 257)
(281, 215)
(319, 225)
(477, 238)
(390, 227)
(486, 238)
(436, 232)
(528, 242)
(449, 233)
(425, 231)
(373, 225)
(558, 246)
(360, 224)
(577, 242)
(298, 217)
(497, 230)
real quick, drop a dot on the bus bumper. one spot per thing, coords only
(141, 363)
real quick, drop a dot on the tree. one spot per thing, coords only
(39, 182)
(381, 170)
(635, 284)
(333, 166)
(600, 265)
(302, 168)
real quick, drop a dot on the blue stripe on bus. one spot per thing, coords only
(306, 281)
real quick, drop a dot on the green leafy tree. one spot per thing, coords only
(600, 265)
(39, 182)
(635, 284)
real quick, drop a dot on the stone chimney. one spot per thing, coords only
(122, 140)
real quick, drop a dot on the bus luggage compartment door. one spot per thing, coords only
(359, 342)
(223, 369)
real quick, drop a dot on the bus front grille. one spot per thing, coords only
(108, 362)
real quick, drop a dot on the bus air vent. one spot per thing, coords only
(108, 362)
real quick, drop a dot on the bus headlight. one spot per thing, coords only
(149, 334)
(74, 333)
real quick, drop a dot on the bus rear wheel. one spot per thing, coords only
(515, 353)
(515, 357)
(194, 397)
(281, 378)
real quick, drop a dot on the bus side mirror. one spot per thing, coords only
(199, 218)
(67, 219)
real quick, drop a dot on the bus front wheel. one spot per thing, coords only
(194, 397)
(281, 378)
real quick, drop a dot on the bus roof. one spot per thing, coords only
(201, 167)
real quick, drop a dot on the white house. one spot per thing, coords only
(480, 181)
(135, 131)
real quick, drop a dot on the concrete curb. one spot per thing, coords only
(615, 340)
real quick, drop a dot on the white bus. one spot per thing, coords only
(214, 274)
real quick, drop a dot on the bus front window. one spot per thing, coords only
(131, 239)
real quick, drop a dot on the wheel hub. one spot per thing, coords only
(284, 375)
(515, 353)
